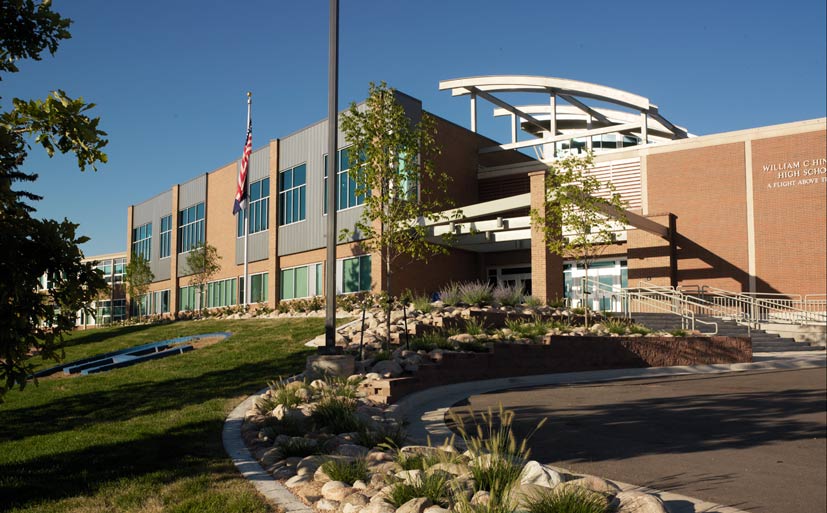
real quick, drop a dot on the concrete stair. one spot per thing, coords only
(762, 342)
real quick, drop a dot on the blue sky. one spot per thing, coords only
(170, 77)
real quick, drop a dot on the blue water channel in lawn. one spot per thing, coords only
(130, 356)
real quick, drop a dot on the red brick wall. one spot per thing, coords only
(706, 189)
(503, 187)
(791, 252)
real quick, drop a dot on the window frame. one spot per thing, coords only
(199, 223)
(298, 190)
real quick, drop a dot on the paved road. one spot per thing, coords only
(754, 440)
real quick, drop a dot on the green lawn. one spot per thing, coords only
(147, 437)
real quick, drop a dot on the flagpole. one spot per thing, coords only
(246, 213)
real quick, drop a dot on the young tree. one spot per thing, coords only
(138, 277)
(390, 157)
(33, 321)
(202, 262)
(575, 223)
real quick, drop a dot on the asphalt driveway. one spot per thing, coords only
(753, 440)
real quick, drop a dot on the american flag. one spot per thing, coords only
(241, 189)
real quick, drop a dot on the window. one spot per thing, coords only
(120, 270)
(258, 206)
(109, 311)
(105, 268)
(166, 236)
(298, 282)
(141, 240)
(346, 196)
(353, 274)
(188, 298)
(292, 195)
(409, 185)
(190, 227)
(221, 293)
(258, 288)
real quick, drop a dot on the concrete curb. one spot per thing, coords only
(426, 412)
(270, 488)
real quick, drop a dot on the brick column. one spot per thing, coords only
(546, 267)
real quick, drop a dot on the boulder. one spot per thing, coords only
(415, 505)
(595, 484)
(331, 364)
(336, 490)
(638, 502)
(411, 477)
(380, 506)
(436, 509)
(387, 369)
(481, 498)
(271, 456)
(352, 450)
(354, 503)
(297, 481)
(326, 505)
(538, 474)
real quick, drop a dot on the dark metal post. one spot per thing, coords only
(362, 335)
(407, 335)
(332, 164)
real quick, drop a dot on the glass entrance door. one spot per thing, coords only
(513, 276)
(611, 274)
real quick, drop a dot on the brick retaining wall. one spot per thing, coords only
(564, 354)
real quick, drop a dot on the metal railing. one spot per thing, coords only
(651, 300)
(758, 308)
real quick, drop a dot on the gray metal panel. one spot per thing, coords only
(256, 250)
(309, 147)
(192, 192)
(183, 269)
(259, 165)
(151, 211)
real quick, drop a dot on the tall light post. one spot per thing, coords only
(333, 164)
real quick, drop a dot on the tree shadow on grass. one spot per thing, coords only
(183, 451)
(133, 399)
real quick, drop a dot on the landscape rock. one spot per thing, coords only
(297, 481)
(336, 490)
(388, 369)
(326, 505)
(417, 505)
(352, 450)
(538, 474)
(595, 484)
(638, 502)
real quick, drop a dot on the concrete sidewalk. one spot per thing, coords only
(426, 410)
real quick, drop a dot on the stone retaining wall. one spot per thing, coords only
(564, 354)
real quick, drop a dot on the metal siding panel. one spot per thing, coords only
(257, 249)
(192, 192)
(151, 211)
(309, 147)
(259, 165)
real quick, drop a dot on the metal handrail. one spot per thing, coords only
(700, 305)
(627, 296)
(783, 308)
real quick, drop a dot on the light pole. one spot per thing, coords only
(332, 160)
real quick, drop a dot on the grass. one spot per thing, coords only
(338, 414)
(346, 471)
(567, 500)
(146, 437)
(433, 485)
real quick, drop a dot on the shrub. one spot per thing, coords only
(290, 426)
(473, 347)
(343, 387)
(567, 500)
(497, 459)
(578, 310)
(679, 333)
(429, 341)
(433, 485)
(299, 447)
(450, 294)
(337, 414)
(507, 295)
(533, 302)
(616, 326)
(474, 326)
(423, 304)
(382, 355)
(475, 293)
(346, 471)
(289, 395)
(380, 435)
(639, 329)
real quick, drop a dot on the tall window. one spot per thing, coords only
(119, 270)
(297, 282)
(258, 288)
(141, 240)
(292, 194)
(258, 206)
(346, 195)
(221, 293)
(353, 274)
(190, 227)
(188, 298)
(166, 236)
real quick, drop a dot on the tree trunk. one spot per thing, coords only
(586, 279)
(387, 258)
